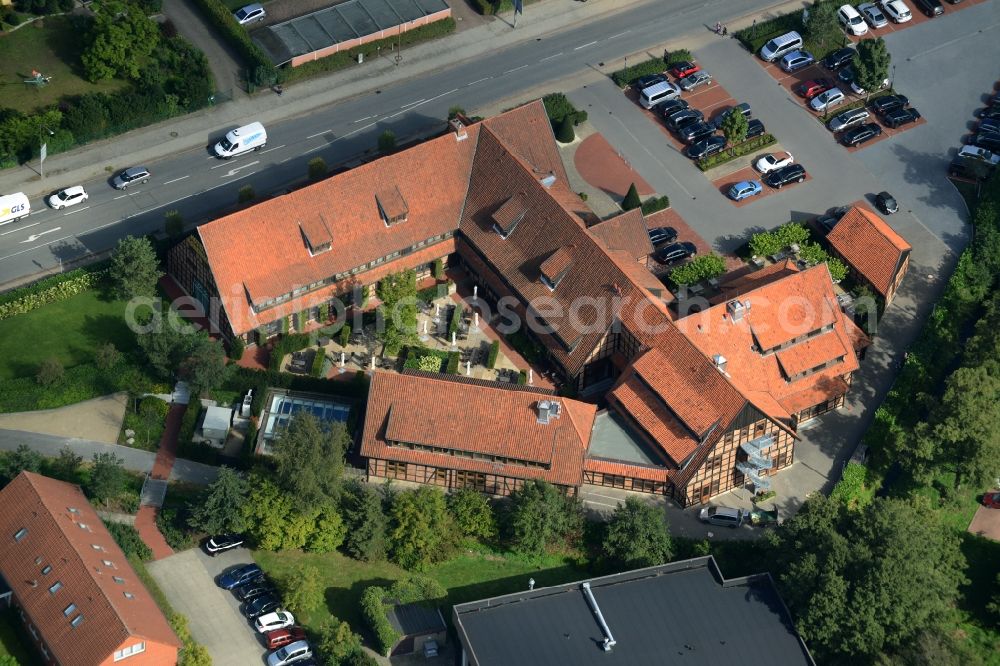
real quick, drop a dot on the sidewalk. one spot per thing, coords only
(145, 519)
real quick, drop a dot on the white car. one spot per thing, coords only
(897, 10)
(290, 654)
(858, 90)
(826, 101)
(68, 197)
(250, 14)
(977, 153)
(852, 21)
(773, 162)
(873, 15)
(272, 621)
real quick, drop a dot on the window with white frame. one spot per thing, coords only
(125, 653)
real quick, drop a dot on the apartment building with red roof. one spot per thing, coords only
(80, 599)
(874, 252)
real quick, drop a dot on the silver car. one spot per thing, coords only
(692, 81)
(130, 176)
(847, 119)
(873, 15)
(722, 515)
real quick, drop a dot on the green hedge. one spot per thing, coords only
(428, 294)
(79, 383)
(454, 358)
(558, 106)
(414, 353)
(376, 601)
(491, 361)
(285, 345)
(370, 50)
(189, 422)
(854, 105)
(50, 290)
(128, 539)
(655, 204)
(738, 150)
(624, 77)
(317, 365)
(758, 34)
(259, 66)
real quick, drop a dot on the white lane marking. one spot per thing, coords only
(77, 210)
(232, 172)
(453, 90)
(361, 120)
(619, 34)
(20, 228)
(556, 55)
(313, 136)
(515, 69)
(360, 129)
(33, 237)
(270, 149)
(412, 103)
(479, 81)
(610, 506)
(121, 196)
(583, 46)
(177, 179)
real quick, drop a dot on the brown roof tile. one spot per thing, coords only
(870, 246)
(482, 420)
(811, 353)
(64, 532)
(654, 416)
(626, 469)
(626, 232)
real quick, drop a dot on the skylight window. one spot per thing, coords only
(119, 580)
(75, 622)
(56, 586)
(20, 534)
(69, 610)
(46, 569)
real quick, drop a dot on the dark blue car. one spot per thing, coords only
(239, 575)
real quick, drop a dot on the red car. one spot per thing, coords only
(810, 89)
(684, 68)
(991, 500)
(279, 637)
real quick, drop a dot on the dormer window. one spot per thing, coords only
(555, 268)
(391, 206)
(507, 216)
(316, 234)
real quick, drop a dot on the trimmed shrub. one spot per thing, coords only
(237, 348)
(456, 321)
(631, 198)
(416, 359)
(522, 377)
(286, 345)
(323, 311)
(558, 107)
(700, 268)
(50, 290)
(624, 77)
(454, 358)
(301, 319)
(387, 142)
(437, 269)
(317, 365)
(491, 360)
(345, 335)
(564, 131)
(317, 168)
(654, 204)
(246, 194)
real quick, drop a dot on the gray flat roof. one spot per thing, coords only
(342, 22)
(678, 613)
(416, 619)
(611, 439)
(217, 418)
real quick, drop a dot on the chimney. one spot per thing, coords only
(458, 127)
(544, 411)
(609, 640)
(736, 310)
(720, 363)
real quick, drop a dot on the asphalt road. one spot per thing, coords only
(201, 187)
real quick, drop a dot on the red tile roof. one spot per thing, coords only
(626, 469)
(65, 533)
(655, 417)
(482, 420)
(743, 282)
(870, 246)
(811, 353)
(626, 232)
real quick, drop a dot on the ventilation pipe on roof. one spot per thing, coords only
(609, 640)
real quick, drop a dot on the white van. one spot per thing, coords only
(241, 140)
(780, 46)
(14, 207)
(658, 92)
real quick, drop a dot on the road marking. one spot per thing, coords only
(32, 238)
(619, 34)
(177, 179)
(121, 196)
(313, 136)
(20, 228)
(583, 46)
(268, 150)
(361, 120)
(551, 57)
(610, 506)
(412, 103)
(479, 81)
(76, 211)
(515, 69)
(360, 129)
(232, 172)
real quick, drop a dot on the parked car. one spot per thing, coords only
(755, 128)
(991, 500)
(68, 197)
(675, 252)
(694, 132)
(966, 167)
(671, 106)
(780, 45)
(977, 153)
(898, 117)
(744, 190)
(886, 203)
(847, 119)
(250, 14)
(239, 575)
(256, 588)
(774, 161)
(290, 654)
(813, 87)
(220, 543)
(281, 637)
(827, 100)
(988, 141)
(695, 80)
(860, 134)
(852, 21)
(262, 605)
(931, 8)
(722, 515)
(896, 10)
(130, 176)
(705, 147)
(272, 621)
(873, 15)
(796, 60)
(989, 126)
(793, 173)
(647, 80)
(990, 113)
(662, 235)
(684, 68)
(886, 103)
(839, 58)
(680, 118)
(742, 107)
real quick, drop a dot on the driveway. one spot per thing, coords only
(223, 62)
(188, 581)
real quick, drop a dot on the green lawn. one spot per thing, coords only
(12, 641)
(51, 46)
(71, 330)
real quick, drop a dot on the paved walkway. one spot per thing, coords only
(99, 420)
(145, 520)
(223, 62)
(607, 169)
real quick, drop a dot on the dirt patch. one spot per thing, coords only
(99, 420)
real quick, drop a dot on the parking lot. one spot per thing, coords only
(188, 580)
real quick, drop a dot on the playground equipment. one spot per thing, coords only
(38, 79)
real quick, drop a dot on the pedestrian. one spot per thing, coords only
(718, 28)
(725, 30)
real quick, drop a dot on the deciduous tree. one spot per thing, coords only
(108, 478)
(422, 530)
(336, 640)
(20, 460)
(204, 365)
(472, 513)
(121, 38)
(302, 589)
(398, 293)
(541, 516)
(871, 65)
(637, 536)
(823, 27)
(134, 268)
(66, 465)
(310, 458)
(735, 127)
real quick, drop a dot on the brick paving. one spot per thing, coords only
(145, 519)
(604, 168)
(749, 173)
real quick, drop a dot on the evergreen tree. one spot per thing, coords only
(631, 198)
(220, 508)
(361, 507)
(134, 268)
(564, 130)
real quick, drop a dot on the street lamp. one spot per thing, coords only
(892, 77)
(42, 151)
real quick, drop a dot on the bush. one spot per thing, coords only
(437, 269)
(173, 526)
(50, 372)
(237, 348)
(189, 422)
(416, 359)
(129, 541)
(738, 150)
(850, 490)
(345, 335)
(50, 290)
(757, 35)
(558, 108)
(246, 194)
(317, 168)
(654, 204)
(700, 268)
(766, 243)
(387, 142)
(631, 200)
(173, 223)
(454, 358)
(625, 77)
(491, 360)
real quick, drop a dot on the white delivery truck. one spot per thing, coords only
(241, 140)
(13, 207)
